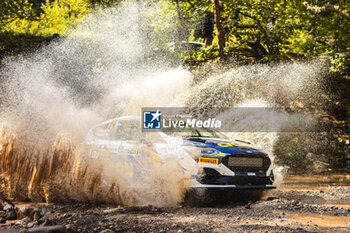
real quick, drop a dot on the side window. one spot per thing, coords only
(104, 131)
(127, 130)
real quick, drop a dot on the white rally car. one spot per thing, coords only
(219, 163)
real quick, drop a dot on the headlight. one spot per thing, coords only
(208, 152)
(197, 152)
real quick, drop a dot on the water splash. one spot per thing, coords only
(53, 96)
(293, 86)
(107, 68)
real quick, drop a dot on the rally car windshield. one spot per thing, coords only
(197, 132)
(205, 132)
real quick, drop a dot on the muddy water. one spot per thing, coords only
(329, 191)
(324, 221)
(315, 181)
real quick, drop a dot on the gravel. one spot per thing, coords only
(271, 214)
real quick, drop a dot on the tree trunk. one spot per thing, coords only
(183, 30)
(219, 28)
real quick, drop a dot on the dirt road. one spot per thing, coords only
(287, 209)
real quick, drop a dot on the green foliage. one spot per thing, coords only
(104, 3)
(61, 15)
(22, 17)
(14, 10)
(267, 29)
(262, 29)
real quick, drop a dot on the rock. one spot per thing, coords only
(51, 229)
(2, 213)
(2, 220)
(108, 211)
(11, 214)
(47, 219)
(293, 202)
(7, 207)
(42, 210)
(31, 224)
(47, 222)
(37, 215)
(70, 228)
(25, 211)
(106, 231)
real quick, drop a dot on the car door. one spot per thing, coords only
(127, 135)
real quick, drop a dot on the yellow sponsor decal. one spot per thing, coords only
(208, 160)
(230, 144)
(224, 144)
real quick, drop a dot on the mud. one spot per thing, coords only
(318, 208)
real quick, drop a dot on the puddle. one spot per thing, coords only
(317, 181)
(301, 189)
(324, 221)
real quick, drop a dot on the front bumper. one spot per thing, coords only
(231, 183)
(216, 186)
(221, 177)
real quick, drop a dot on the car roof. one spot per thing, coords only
(129, 117)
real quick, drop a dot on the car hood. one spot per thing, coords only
(226, 147)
